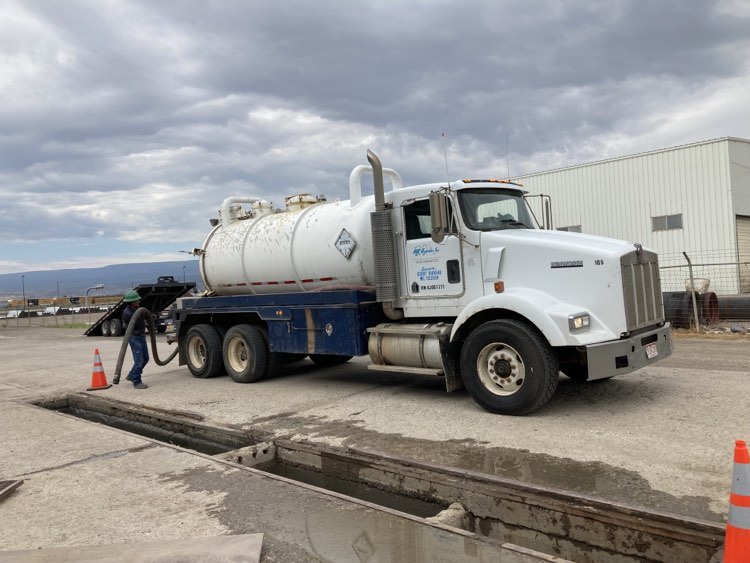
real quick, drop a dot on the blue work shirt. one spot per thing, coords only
(139, 329)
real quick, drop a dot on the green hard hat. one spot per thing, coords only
(131, 296)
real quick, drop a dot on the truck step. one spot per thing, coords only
(405, 369)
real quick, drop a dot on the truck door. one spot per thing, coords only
(432, 270)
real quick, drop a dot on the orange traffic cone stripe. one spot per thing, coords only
(737, 542)
(741, 453)
(98, 379)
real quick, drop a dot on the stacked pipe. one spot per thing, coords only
(734, 307)
(678, 308)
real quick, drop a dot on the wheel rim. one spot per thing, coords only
(238, 355)
(501, 369)
(197, 352)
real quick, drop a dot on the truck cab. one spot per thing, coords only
(471, 255)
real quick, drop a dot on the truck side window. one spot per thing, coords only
(417, 219)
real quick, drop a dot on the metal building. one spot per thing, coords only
(692, 199)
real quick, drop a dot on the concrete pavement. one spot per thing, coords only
(90, 485)
(660, 438)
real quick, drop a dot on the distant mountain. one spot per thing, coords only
(117, 279)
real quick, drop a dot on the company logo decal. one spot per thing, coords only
(567, 264)
(425, 250)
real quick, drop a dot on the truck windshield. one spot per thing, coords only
(492, 209)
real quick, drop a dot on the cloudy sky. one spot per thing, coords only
(124, 124)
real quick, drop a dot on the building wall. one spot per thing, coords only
(739, 167)
(618, 198)
(739, 162)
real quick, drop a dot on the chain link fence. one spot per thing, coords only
(717, 271)
(706, 291)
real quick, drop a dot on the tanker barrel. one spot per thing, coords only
(305, 247)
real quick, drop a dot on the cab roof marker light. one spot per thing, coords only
(490, 181)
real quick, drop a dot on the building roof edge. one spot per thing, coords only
(635, 155)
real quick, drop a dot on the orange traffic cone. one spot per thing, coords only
(98, 379)
(737, 542)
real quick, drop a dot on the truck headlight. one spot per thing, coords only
(578, 322)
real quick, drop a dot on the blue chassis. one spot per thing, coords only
(330, 322)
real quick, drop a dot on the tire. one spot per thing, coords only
(105, 328)
(115, 327)
(508, 367)
(245, 353)
(329, 360)
(202, 345)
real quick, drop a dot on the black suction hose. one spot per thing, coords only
(152, 331)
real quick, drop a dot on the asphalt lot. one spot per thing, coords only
(661, 438)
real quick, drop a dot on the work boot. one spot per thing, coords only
(140, 385)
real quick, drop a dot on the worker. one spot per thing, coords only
(137, 339)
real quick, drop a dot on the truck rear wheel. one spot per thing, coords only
(329, 360)
(105, 328)
(245, 353)
(115, 327)
(202, 345)
(509, 368)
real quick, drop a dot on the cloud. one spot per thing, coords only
(124, 125)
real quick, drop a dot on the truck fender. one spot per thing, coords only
(535, 306)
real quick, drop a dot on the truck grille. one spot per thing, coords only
(641, 289)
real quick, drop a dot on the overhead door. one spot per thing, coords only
(743, 251)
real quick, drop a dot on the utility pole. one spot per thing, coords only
(23, 305)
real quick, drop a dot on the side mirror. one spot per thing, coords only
(438, 216)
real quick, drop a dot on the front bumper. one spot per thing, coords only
(629, 354)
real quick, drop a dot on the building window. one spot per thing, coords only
(666, 222)
(571, 229)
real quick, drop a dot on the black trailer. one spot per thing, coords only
(155, 297)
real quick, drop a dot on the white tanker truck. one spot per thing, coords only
(449, 279)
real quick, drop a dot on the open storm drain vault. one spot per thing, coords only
(552, 521)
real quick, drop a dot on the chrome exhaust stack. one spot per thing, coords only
(386, 287)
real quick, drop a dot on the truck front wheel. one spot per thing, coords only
(508, 367)
(245, 353)
(202, 345)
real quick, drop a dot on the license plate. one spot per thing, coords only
(652, 351)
